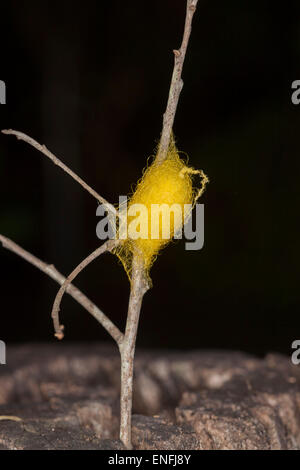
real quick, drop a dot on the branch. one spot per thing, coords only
(72, 290)
(176, 83)
(43, 149)
(139, 284)
(107, 246)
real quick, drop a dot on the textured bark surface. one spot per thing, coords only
(67, 397)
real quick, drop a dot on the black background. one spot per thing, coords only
(90, 80)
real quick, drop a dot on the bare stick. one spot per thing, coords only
(52, 272)
(107, 246)
(139, 287)
(176, 83)
(43, 149)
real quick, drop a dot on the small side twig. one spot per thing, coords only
(52, 272)
(43, 149)
(107, 246)
(176, 83)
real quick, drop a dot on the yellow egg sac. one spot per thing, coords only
(158, 209)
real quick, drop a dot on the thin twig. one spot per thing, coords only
(43, 149)
(107, 246)
(176, 83)
(52, 272)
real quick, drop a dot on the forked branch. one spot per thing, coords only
(139, 283)
(52, 272)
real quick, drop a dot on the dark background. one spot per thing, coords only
(91, 82)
